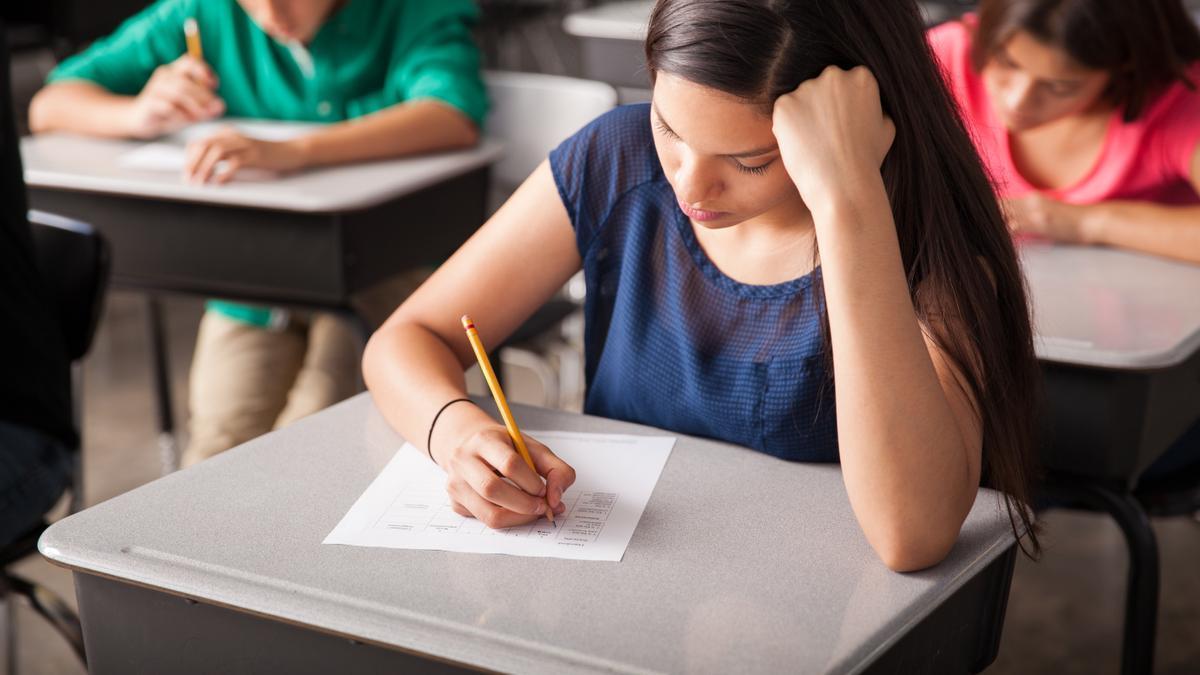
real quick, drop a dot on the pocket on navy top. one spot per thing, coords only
(714, 398)
(797, 412)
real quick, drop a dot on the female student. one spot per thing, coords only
(796, 226)
(390, 77)
(1087, 115)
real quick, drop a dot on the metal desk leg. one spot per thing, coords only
(77, 501)
(168, 447)
(1141, 594)
(8, 634)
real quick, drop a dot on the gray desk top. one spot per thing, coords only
(1114, 309)
(90, 164)
(627, 20)
(741, 562)
(614, 21)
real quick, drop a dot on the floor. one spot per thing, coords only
(1064, 613)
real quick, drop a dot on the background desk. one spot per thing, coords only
(311, 239)
(1118, 335)
(611, 37)
(741, 563)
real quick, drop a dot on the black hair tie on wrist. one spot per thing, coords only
(429, 439)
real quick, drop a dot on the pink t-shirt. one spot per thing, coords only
(1148, 159)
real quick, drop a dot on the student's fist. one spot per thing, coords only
(487, 479)
(1041, 216)
(832, 131)
(177, 94)
(220, 156)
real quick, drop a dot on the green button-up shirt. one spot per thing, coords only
(369, 55)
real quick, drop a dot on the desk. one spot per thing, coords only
(311, 239)
(611, 36)
(219, 568)
(1118, 335)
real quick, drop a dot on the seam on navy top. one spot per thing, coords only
(791, 287)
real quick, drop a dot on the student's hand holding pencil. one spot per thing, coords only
(178, 94)
(487, 479)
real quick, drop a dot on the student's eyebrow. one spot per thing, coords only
(1008, 57)
(748, 153)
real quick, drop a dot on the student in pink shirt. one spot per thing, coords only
(1087, 115)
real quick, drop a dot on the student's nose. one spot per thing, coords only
(1019, 94)
(695, 181)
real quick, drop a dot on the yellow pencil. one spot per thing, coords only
(191, 32)
(485, 364)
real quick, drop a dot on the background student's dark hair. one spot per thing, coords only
(947, 217)
(1144, 45)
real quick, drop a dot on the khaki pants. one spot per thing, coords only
(246, 380)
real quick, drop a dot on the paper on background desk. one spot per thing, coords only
(169, 154)
(407, 507)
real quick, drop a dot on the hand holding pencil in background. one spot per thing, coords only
(179, 93)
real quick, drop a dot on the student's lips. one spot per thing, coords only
(700, 214)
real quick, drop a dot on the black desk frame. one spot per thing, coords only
(1102, 429)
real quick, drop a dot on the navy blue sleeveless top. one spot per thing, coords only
(670, 341)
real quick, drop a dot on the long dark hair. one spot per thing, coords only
(956, 249)
(1143, 45)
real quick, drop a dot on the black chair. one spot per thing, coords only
(74, 261)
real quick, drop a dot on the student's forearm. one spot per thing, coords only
(80, 107)
(404, 129)
(1171, 231)
(411, 374)
(905, 460)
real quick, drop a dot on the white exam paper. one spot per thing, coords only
(169, 154)
(153, 157)
(406, 506)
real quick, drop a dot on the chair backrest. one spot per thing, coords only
(532, 113)
(74, 261)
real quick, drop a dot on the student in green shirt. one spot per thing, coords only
(391, 77)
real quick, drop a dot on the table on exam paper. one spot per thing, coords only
(741, 563)
(311, 239)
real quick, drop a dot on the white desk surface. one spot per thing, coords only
(614, 21)
(628, 20)
(741, 562)
(90, 165)
(1108, 308)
